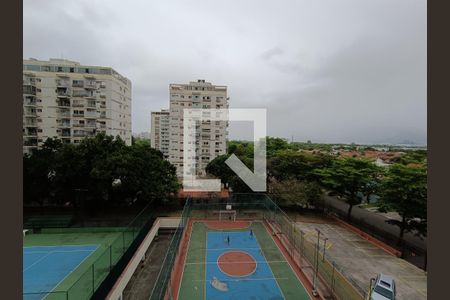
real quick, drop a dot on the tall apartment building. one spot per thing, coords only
(211, 135)
(159, 137)
(70, 101)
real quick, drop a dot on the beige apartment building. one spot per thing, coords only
(211, 135)
(70, 101)
(159, 136)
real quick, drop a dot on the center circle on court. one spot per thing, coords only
(236, 263)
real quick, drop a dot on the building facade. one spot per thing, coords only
(70, 101)
(211, 135)
(159, 137)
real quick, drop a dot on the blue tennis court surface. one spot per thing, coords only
(260, 284)
(44, 267)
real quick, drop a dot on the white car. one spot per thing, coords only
(383, 288)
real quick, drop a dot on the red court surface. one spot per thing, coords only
(237, 263)
(222, 225)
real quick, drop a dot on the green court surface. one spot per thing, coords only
(111, 242)
(193, 284)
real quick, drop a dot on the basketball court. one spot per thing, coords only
(229, 259)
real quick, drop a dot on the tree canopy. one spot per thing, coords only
(87, 171)
(404, 190)
(349, 177)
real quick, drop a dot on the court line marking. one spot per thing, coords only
(185, 260)
(39, 260)
(208, 263)
(236, 249)
(49, 253)
(72, 272)
(73, 269)
(254, 260)
(295, 273)
(262, 252)
(49, 246)
(206, 258)
(250, 279)
(56, 251)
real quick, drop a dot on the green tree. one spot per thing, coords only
(292, 192)
(298, 165)
(38, 172)
(273, 145)
(348, 177)
(99, 171)
(220, 169)
(404, 190)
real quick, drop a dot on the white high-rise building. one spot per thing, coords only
(70, 101)
(212, 135)
(159, 137)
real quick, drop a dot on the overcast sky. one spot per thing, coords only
(326, 70)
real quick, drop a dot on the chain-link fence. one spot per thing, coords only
(91, 279)
(326, 275)
(163, 284)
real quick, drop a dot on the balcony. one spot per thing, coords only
(30, 143)
(30, 123)
(62, 83)
(91, 125)
(90, 84)
(82, 94)
(78, 115)
(91, 115)
(29, 90)
(91, 104)
(62, 103)
(29, 113)
(90, 133)
(79, 133)
(63, 113)
(30, 132)
(29, 81)
(78, 125)
(78, 103)
(64, 124)
(62, 93)
(29, 101)
(64, 134)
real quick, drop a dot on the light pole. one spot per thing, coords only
(324, 249)
(316, 264)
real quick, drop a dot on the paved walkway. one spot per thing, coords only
(360, 260)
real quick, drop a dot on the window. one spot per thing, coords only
(72, 70)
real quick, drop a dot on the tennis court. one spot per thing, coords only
(242, 263)
(44, 267)
(69, 263)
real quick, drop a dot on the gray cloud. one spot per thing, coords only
(330, 71)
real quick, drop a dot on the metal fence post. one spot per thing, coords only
(110, 257)
(332, 282)
(123, 241)
(93, 279)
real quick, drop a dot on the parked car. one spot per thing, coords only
(383, 288)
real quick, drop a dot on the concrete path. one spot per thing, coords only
(361, 260)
